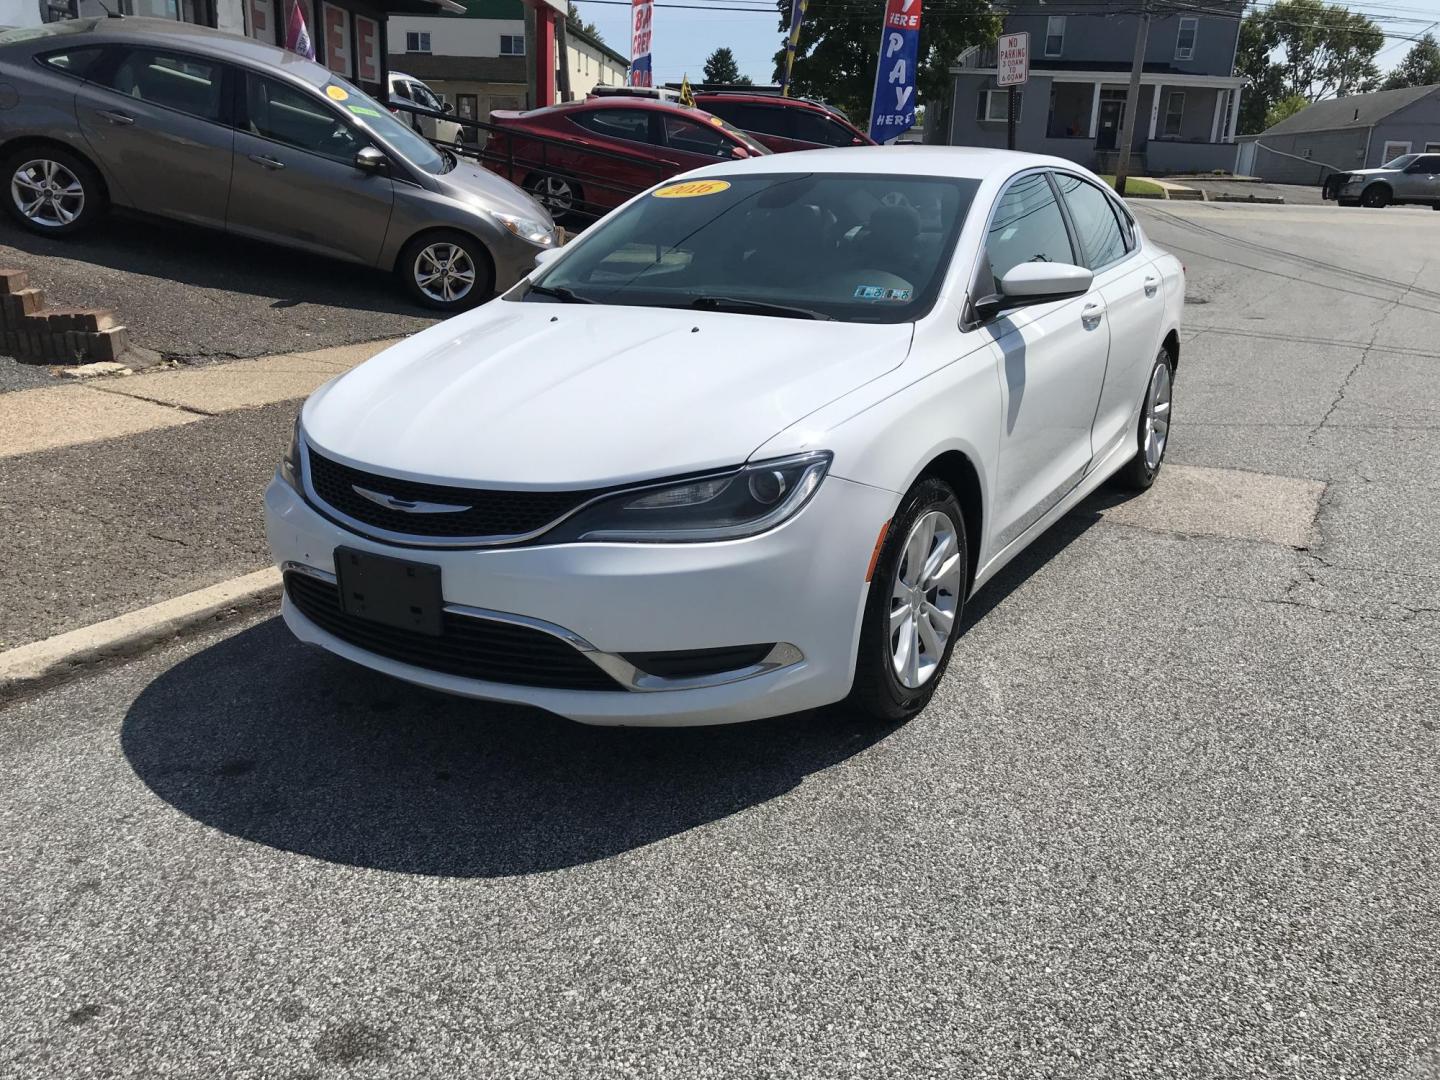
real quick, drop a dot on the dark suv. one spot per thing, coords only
(782, 123)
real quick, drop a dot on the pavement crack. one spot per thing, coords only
(153, 401)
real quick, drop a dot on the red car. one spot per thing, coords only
(782, 123)
(590, 156)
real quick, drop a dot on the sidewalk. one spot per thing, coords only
(110, 407)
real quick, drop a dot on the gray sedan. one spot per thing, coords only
(188, 123)
(1409, 178)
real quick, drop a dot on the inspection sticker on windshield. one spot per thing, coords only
(880, 292)
(336, 93)
(693, 189)
(363, 110)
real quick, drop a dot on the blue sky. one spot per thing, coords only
(683, 38)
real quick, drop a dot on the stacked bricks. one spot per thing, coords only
(32, 333)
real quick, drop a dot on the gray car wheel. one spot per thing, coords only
(1376, 196)
(51, 190)
(447, 270)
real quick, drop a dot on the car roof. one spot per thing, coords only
(204, 40)
(761, 99)
(620, 101)
(968, 162)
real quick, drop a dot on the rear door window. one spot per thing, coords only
(75, 62)
(187, 84)
(632, 125)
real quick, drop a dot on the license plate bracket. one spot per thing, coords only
(390, 591)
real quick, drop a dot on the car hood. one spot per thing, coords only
(537, 395)
(1372, 172)
(493, 192)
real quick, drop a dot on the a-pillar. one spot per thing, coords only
(544, 53)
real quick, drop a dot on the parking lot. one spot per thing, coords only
(1172, 813)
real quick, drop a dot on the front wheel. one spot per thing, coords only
(558, 194)
(1153, 435)
(449, 271)
(52, 190)
(1376, 196)
(917, 596)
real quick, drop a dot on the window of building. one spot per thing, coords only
(994, 103)
(1027, 227)
(187, 84)
(1174, 112)
(296, 118)
(1055, 35)
(512, 44)
(1185, 38)
(417, 41)
(1093, 215)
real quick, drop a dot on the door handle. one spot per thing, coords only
(1152, 285)
(117, 117)
(268, 162)
(1091, 316)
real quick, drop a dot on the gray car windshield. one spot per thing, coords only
(376, 118)
(853, 247)
(1401, 162)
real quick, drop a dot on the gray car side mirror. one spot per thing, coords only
(372, 160)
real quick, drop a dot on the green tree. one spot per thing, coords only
(1421, 66)
(1304, 48)
(575, 22)
(721, 69)
(839, 50)
(1284, 109)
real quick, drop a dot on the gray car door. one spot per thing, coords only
(159, 121)
(1421, 180)
(295, 179)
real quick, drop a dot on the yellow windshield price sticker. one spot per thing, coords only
(336, 93)
(692, 189)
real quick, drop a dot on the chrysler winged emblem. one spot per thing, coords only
(409, 506)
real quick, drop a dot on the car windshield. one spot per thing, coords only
(1404, 161)
(377, 119)
(854, 247)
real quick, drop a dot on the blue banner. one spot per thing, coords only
(892, 112)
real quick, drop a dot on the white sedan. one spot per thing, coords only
(744, 448)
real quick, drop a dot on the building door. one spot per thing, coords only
(1112, 117)
(466, 107)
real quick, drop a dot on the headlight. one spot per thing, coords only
(529, 230)
(725, 507)
(290, 463)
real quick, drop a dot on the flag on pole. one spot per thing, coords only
(892, 111)
(297, 35)
(797, 16)
(641, 11)
(687, 96)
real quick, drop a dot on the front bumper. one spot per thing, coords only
(801, 584)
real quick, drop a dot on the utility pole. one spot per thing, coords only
(1132, 100)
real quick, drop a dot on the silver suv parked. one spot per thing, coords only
(1409, 178)
(188, 123)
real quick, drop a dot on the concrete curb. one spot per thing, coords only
(43, 663)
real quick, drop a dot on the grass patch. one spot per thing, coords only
(1136, 187)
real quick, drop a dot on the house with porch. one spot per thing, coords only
(1074, 104)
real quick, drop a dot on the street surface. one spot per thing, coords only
(1173, 813)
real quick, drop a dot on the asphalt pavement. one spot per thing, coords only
(1172, 814)
(199, 296)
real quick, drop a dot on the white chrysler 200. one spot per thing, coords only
(745, 447)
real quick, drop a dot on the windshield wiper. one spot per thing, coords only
(565, 296)
(756, 307)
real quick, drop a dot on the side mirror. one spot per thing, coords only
(372, 160)
(739, 152)
(549, 255)
(1035, 283)
(445, 106)
(857, 141)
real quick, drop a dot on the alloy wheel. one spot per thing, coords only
(47, 193)
(924, 599)
(1157, 416)
(554, 193)
(444, 272)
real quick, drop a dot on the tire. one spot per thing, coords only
(1376, 196)
(1152, 435)
(68, 194)
(880, 690)
(559, 194)
(447, 270)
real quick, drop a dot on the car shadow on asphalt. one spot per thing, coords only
(215, 260)
(288, 746)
